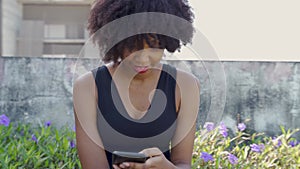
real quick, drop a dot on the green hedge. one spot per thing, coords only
(215, 149)
(25, 146)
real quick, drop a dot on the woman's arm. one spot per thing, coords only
(188, 91)
(89, 145)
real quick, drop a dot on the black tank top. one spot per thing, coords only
(120, 132)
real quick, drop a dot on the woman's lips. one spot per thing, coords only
(141, 69)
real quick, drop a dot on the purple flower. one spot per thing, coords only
(72, 144)
(232, 159)
(293, 143)
(33, 137)
(257, 148)
(277, 141)
(209, 126)
(4, 120)
(223, 129)
(222, 126)
(206, 157)
(224, 133)
(241, 126)
(74, 128)
(48, 123)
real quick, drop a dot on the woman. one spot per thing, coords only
(134, 102)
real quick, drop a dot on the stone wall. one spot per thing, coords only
(39, 89)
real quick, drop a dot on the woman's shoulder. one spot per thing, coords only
(85, 81)
(186, 77)
(84, 78)
(88, 77)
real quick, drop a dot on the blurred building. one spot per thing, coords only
(44, 28)
(1, 27)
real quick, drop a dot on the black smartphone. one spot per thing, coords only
(124, 156)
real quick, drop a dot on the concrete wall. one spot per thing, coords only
(39, 89)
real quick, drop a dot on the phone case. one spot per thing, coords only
(122, 156)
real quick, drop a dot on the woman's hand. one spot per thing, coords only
(157, 160)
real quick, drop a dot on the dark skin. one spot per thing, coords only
(90, 149)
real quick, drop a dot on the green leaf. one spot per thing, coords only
(40, 161)
(246, 152)
(218, 162)
(282, 130)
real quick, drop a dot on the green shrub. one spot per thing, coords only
(27, 146)
(215, 149)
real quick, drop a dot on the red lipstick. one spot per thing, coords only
(141, 69)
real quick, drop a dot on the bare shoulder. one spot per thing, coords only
(187, 78)
(187, 89)
(84, 81)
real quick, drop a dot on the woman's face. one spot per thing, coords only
(140, 61)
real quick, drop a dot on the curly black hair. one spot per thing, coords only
(106, 11)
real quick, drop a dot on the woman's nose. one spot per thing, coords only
(142, 58)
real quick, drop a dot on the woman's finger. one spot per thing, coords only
(152, 152)
(116, 167)
(124, 165)
(137, 166)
